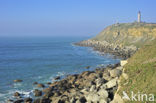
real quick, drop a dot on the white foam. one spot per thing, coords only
(61, 73)
(2, 95)
(23, 93)
(16, 85)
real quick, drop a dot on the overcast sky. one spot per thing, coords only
(69, 17)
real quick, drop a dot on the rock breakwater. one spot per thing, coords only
(96, 86)
(105, 47)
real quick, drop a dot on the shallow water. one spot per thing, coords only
(41, 59)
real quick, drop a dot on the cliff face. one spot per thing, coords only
(122, 39)
(126, 34)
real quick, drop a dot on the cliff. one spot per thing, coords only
(122, 39)
(128, 34)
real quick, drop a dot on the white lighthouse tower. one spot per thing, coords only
(139, 17)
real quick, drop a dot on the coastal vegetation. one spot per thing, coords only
(141, 71)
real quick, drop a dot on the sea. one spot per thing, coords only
(41, 59)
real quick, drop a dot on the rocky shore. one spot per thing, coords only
(96, 86)
(105, 47)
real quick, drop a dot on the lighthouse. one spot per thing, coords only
(139, 17)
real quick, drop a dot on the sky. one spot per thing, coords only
(69, 17)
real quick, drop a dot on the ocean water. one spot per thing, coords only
(40, 60)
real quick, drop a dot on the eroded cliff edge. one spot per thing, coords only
(122, 39)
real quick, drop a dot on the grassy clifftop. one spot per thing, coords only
(141, 71)
(128, 34)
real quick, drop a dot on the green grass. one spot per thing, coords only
(141, 69)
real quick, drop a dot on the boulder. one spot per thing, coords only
(40, 85)
(72, 100)
(92, 97)
(57, 78)
(106, 76)
(18, 80)
(99, 82)
(35, 83)
(37, 92)
(85, 90)
(48, 83)
(72, 78)
(18, 101)
(28, 100)
(102, 101)
(87, 67)
(115, 73)
(82, 100)
(57, 93)
(17, 94)
(119, 67)
(103, 93)
(125, 76)
(123, 62)
(48, 94)
(111, 83)
(93, 88)
(36, 100)
(47, 90)
(45, 100)
(10, 101)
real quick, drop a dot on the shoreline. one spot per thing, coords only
(120, 51)
(100, 84)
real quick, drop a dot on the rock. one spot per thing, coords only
(48, 94)
(57, 78)
(99, 82)
(85, 73)
(18, 101)
(123, 62)
(103, 86)
(82, 100)
(47, 90)
(115, 73)
(111, 83)
(72, 100)
(92, 97)
(107, 76)
(17, 94)
(40, 85)
(45, 100)
(85, 90)
(35, 83)
(72, 78)
(125, 76)
(87, 67)
(48, 83)
(103, 93)
(37, 92)
(120, 68)
(10, 101)
(57, 93)
(102, 101)
(18, 80)
(28, 100)
(93, 88)
(117, 99)
(36, 100)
